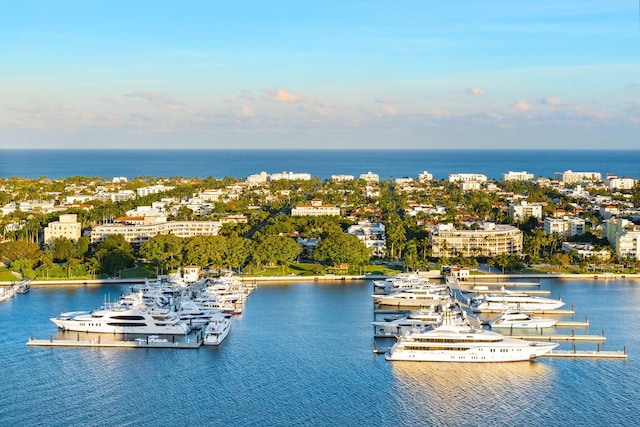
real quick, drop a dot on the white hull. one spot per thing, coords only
(531, 324)
(474, 355)
(216, 332)
(522, 306)
(120, 321)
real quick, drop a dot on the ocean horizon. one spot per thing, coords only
(240, 163)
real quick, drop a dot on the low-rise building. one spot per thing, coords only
(614, 183)
(517, 176)
(67, 226)
(139, 230)
(489, 240)
(458, 177)
(524, 210)
(372, 235)
(152, 189)
(315, 208)
(565, 226)
(570, 176)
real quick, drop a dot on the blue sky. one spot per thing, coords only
(320, 74)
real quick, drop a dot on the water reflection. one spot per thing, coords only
(470, 393)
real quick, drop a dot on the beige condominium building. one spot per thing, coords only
(67, 226)
(137, 232)
(489, 240)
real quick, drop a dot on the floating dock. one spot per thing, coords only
(572, 337)
(498, 284)
(586, 354)
(191, 342)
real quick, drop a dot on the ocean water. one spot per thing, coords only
(318, 163)
(301, 355)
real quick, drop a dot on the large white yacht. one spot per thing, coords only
(422, 296)
(515, 301)
(217, 330)
(123, 319)
(464, 343)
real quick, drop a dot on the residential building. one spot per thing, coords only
(524, 210)
(290, 176)
(315, 208)
(260, 178)
(139, 230)
(569, 176)
(615, 183)
(372, 235)
(425, 177)
(565, 226)
(458, 177)
(623, 236)
(490, 240)
(517, 176)
(67, 226)
(370, 177)
(341, 178)
(585, 250)
(152, 189)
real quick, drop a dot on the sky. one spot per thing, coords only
(320, 74)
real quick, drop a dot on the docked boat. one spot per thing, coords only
(464, 343)
(520, 320)
(422, 296)
(217, 330)
(122, 319)
(514, 301)
(22, 287)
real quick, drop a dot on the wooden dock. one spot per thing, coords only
(497, 284)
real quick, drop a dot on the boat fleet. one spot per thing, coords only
(438, 328)
(166, 307)
(21, 287)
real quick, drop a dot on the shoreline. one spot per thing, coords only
(342, 278)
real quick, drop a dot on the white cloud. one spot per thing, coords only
(549, 100)
(281, 95)
(522, 106)
(160, 100)
(475, 91)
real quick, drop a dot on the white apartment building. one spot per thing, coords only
(623, 236)
(260, 178)
(152, 189)
(469, 185)
(565, 226)
(569, 176)
(119, 196)
(517, 176)
(492, 239)
(404, 180)
(315, 208)
(614, 183)
(137, 233)
(525, 210)
(584, 250)
(341, 178)
(66, 226)
(290, 176)
(461, 177)
(370, 177)
(425, 177)
(372, 235)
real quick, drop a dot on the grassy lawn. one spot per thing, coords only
(141, 271)
(6, 276)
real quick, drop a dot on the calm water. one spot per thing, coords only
(301, 354)
(319, 163)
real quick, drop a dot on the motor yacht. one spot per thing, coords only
(217, 330)
(520, 320)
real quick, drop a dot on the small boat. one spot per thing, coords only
(217, 330)
(22, 287)
(514, 301)
(520, 320)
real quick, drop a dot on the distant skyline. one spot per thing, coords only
(312, 75)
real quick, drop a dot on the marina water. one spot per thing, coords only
(301, 354)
